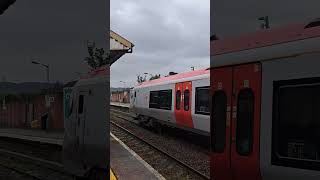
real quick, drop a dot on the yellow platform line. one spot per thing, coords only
(112, 176)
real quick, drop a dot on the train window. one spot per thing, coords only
(154, 99)
(202, 100)
(165, 99)
(296, 123)
(178, 99)
(219, 110)
(186, 100)
(245, 117)
(161, 99)
(81, 103)
(70, 107)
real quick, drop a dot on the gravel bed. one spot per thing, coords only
(6, 174)
(165, 165)
(13, 168)
(193, 155)
(44, 151)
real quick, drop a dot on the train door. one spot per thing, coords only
(246, 118)
(236, 122)
(183, 97)
(81, 117)
(221, 88)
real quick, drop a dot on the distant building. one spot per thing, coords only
(23, 104)
(121, 95)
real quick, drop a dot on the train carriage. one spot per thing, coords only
(265, 93)
(179, 100)
(86, 144)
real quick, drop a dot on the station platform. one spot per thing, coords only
(33, 135)
(127, 165)
(126, 105)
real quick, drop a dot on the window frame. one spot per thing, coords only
(184, 100)
(250, 139)
(157, 104)
(213, 122)
(178, 104)
(81, 104)
(153, 104)
(197, 98)
(276, 158)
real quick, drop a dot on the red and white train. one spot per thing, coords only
(180, 100)
(265, 112)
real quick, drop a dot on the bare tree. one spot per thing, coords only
(157, 76)
(97, 56)
(141, 79)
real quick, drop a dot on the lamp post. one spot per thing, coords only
(44, 65)
(48, 114)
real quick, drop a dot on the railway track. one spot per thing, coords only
(124, 115)
(167, 165)
(32, 159)
(196, 139)
(29, 167)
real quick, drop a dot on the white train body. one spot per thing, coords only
(179, 100)
(86, 140)
(265, 105)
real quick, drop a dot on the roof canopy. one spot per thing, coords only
(118, 47)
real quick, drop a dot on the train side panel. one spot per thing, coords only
(201, 121)
(141, 105)
(302, 154)
(86, 144)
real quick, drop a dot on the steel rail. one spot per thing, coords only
(163, 152)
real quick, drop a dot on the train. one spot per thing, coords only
(265, 96)
(179, 101)
(86, 125)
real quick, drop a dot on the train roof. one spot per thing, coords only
(118, 47)
(266, 44)
(98, 75)
(180, 76)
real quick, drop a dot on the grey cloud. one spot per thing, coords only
(232, 18)
(55, 32)
(169, 36)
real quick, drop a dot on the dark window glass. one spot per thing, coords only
(178, 99)
(161, 99)
(70, 107)
(186, 100)
(296, 123)
(165, 99)
(218, 130)
(245, 117)
(154, 99)
(135, 94)
(81, 103)
(202, 100)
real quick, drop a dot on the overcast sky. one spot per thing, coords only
(169, 35)
(231, 18)
(54, 32)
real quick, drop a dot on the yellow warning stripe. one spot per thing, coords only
(112, 176)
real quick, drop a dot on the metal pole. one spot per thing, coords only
(48, 79)
(267, 22)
